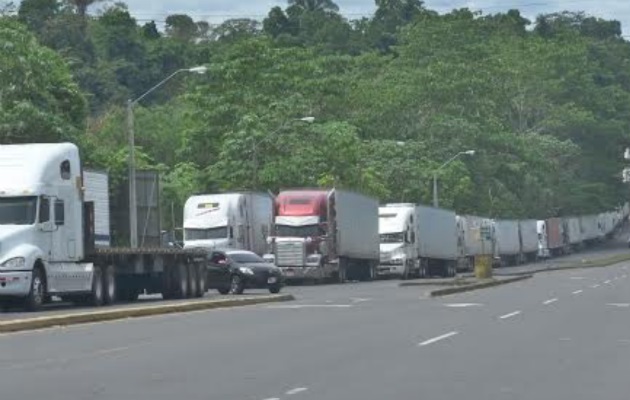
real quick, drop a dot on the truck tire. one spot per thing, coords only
(181, 281)
(275, 289)
(97, 295)
(201, 276)
(35, 298)
(193, 281)
(109, 283)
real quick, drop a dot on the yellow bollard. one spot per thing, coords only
(483, 267)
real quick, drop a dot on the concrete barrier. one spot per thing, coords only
(476, 286)
(109, 314)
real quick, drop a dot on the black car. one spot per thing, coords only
(232, 271)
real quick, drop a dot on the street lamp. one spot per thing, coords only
(133, 209)
(435, 189)
(307, 120)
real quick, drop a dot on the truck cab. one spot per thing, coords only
(398, 255)
(41, 221)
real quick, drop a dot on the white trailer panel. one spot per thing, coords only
(474, 243)
(357, 226)
(529, 235)
(437, 233)
(573, 230)
(589, 227)
(507, 236)
(96, 185)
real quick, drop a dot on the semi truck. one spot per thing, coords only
(590, 228)
(572, 233)
(437, 240)
(508, 241)
(551, 238)
(49, 243)
(528, 233)
(322, 234)
(476, 237)
(398, 235)
(240, 221)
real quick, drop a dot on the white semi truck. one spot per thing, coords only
(240, 221)
(49, 221)
(398, 233)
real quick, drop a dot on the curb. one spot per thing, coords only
(483, 285)
(135, 312)
(604, 262)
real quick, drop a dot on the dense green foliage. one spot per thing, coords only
(547, 109)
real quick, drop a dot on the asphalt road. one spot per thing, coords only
(560, 335)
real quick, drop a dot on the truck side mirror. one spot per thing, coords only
(47, 226)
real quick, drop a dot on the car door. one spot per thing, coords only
(218, 272)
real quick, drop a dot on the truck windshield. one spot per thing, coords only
(397, 237)
(18, 210)
(205, 234)
(297, 231)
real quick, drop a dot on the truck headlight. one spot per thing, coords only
(246, 270)
(14, 263)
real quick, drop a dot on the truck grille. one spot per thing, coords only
(290, 254)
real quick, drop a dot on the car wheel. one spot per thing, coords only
(236, 285)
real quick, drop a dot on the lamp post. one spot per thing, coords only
(450, 160)
(133, 209)
(308, 120)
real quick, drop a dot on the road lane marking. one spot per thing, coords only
(438, 338)
(550, 301)
(298, 306)
(296, 391)
(619, 304)
(577, 292)
(510, 315)
(595, 286)
(463, 305)
(359, 299)
(607, 282)
(273, 398)
(578, 278)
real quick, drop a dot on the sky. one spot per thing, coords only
(217, 10)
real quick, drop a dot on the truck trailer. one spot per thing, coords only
(324, 234)
(53, 231)
(239, 221)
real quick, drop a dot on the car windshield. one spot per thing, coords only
(245, 258)
(297, 231)
(18, 210)
(206, 234)
(396, 237)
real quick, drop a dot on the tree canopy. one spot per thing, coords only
(545, 104)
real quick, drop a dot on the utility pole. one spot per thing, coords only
(133, 209)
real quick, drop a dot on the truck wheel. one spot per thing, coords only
(97, 294)
(192, 281)
(201, 281)
(407, 272)
(236, 285)
(109, 283)
(224, 290)
(422, 272)
(275, 289)
(35, 298)
(181, 281)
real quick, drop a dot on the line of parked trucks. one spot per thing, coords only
(61, 232)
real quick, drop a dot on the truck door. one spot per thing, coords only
(59, 234)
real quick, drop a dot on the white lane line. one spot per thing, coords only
(359, 299)
(624, 276)
(595, 286)
(510, 315)
(296, 391)
(298, 306)
(577, 278)
(550, 301)
(607, 282)
(619, 304)
(463, 305)
(438, 338)
(273, 398)
(577, 292)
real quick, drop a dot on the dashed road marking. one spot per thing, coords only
(577, 291)
(607, 282)
(463, 305)
(595, 286)
(510, 315)
(438, 338)
(550, 301)
(273, 398)
(577, 278)
(296, 391)
(621, 305)
(298, 306)
(359, 299)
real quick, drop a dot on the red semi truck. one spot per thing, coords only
(325, 234)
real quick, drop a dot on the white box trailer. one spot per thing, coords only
(573, 232)
(528, 231)
(241, 221)
(589, 226)
(471, 240)
(508, 241)
(438, 250)
(357, 226)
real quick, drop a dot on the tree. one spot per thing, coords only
(277, 23)
(37, 13)
(82, 5)
(314, 5)
(181, 27)
(39, 102)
